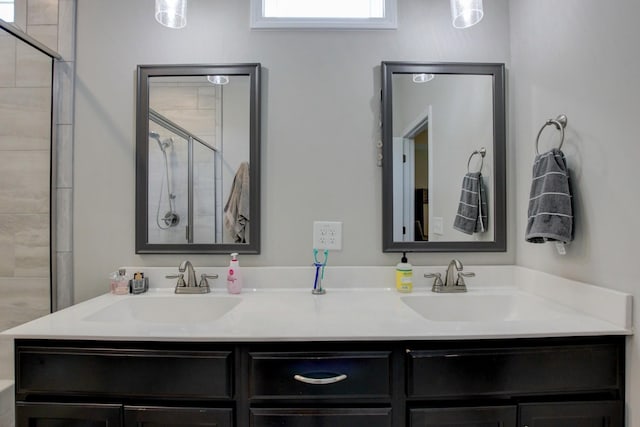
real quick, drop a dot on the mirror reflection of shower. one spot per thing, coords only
(170, 217)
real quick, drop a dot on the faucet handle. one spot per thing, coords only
(461, 276)
(437, 280)
(204, 283)
(181, 283)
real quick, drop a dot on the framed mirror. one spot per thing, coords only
(198, 159)
(444, 157)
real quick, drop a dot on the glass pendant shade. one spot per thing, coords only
(466, 13)
(218, 80)
(171, 13)
(422, 78)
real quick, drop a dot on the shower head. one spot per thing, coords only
(162, 144)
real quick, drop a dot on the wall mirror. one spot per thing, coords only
(198, 159)
(442, 124)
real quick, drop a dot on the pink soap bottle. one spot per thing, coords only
(234, 276)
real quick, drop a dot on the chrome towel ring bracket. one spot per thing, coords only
(560, 123)
(482, 152)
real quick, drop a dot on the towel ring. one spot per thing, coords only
(560, 123)
(482, 152)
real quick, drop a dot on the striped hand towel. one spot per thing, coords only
(550, 203)
(472, 209)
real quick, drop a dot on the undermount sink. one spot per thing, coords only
(175, 309)
(482, 308)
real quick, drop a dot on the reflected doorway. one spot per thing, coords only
(411, 159)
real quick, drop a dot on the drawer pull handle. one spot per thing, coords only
(320, 381)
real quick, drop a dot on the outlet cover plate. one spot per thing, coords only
(327, 235)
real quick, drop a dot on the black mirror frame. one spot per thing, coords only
(252, 70)
(497, 71)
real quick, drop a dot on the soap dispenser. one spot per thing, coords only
(234, 276)
(404, 275)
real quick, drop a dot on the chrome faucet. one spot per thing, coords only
(191, 273)
(454, 278)
(191, 286)
(449, 278)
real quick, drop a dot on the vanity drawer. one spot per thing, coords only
(319, 374)
(321, 417)
(496, 371)
(123, 372)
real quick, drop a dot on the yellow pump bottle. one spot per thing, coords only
(404, 275)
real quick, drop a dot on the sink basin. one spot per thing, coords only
(174, 309)
(482, 308)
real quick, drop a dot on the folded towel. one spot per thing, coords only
(550, 203)
(236, 211)
(473, 208)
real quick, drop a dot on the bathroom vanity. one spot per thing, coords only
(531, 382)
(352, 357)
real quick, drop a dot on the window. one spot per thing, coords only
(6, 10)
(337, 14)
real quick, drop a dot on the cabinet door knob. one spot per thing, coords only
(320, 381)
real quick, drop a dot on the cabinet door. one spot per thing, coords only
(67, 415)
(139, 416)
(325, 417)
(579, 414)
(498, 416)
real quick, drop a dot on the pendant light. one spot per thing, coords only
(218, 80)
(171, 13)
(422, 78)
(466, 13)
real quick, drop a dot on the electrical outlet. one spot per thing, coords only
(327, 235)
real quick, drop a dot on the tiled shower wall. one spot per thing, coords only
(25, 135)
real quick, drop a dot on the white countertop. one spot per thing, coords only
(544, 306)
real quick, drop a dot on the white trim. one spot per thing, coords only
(388, 22)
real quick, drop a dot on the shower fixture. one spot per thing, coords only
(171, 217)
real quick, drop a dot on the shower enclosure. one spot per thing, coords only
(184, 204)
(27, 208)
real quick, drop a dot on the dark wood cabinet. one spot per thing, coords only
(321, 417)
(145, 416)
(494, 416)
(67, 415)
(551, 382)
(296, 375)
(572, 414)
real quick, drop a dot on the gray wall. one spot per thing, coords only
(321, 92)
(581, 58)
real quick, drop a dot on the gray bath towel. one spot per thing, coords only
(236, 211)
(473, 207)
(550, 204)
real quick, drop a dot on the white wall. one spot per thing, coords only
(320, 115)
(581, 58)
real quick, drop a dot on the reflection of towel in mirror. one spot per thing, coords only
(472, 210)
(236, 211)
(550, 211)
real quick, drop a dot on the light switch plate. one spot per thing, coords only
(327, 235)
(437, 225)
